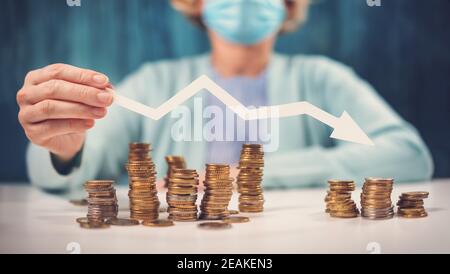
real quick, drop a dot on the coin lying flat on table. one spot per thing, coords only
(236, 219)
(214, 225)
(232, 212)
(82, 220)
(158, 223)
(94, 225)
(122, 222)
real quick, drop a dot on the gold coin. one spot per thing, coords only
(122, 222)
(158, 223)
(82, 220)
(416, 193)
(344, 214)
(236, 219)
(419, 215)
(94, 225)
(214, 225)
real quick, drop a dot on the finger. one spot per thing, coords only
(67, 91)
(52, 128)
(67, 73)
(54, 109)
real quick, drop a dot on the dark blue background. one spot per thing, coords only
(402, 48)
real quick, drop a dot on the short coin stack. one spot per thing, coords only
(173, 162)
(376, 198)
(218, 192)
(250, 177)
(144, 203)
(339, 201)
(410, 204)
(102, 200)
(182, 195)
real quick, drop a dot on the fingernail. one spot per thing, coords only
(100, 79)
(99, 112)
(104, 97)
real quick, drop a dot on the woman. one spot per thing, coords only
(59, 104)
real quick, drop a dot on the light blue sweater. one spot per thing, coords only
(306, 155)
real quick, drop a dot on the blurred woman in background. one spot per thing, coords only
(59, 104)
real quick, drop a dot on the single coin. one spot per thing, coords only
(94, 225)
(122, 222)
(158, 223)
(236, 219)
(82, 220)
(214, 225)
(233, 212)
(413, 193)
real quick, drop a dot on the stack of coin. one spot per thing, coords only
(376, 198)
(410, 204)
(144, 203)
(339, 201)
(102, 200)
(182, 195)
(173, 162)
(249, 180)
(218, 191)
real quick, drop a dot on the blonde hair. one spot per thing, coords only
(296, 15)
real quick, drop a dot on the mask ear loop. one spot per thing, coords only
(289, 24)
(292, 24)
(289, 3)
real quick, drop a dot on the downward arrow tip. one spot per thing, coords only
(346, 129)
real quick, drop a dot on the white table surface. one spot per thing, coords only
(293, 222)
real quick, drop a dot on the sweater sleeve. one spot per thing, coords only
(399, 151)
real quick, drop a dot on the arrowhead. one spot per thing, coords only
(346, 129)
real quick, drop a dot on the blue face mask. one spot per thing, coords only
(244, 21)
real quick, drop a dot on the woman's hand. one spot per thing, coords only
(59, 103)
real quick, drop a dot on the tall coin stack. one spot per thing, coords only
(218, 192)
(376, 198)
(339, 199)
(102, 200)
(250, 177)
(410, 204)
(144, 203)
(173, 162)
(182, 195)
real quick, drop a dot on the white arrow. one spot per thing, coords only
(344, 127)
